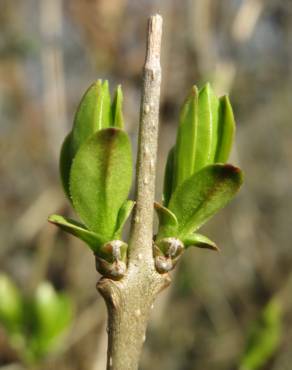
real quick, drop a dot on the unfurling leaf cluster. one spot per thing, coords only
(96, 172)
(197, 181)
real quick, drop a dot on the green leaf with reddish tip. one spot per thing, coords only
(100, 179)
(65, 163)
(168, 224)
(168, 177)
(123, 215)
(206, 132)
(185, 147)
(93, 240)
(117, 112)
(226, 129)
(202, 195)
(200, 241)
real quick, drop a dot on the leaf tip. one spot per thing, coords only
(194, 91)
(104, 83)
(216, 248)
(98, 83)
(206, 88)
(119, 89)
(112, 131)
(231, 169)
(53, 219)
(228, 169)
(224, 98)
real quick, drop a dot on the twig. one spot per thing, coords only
(129, 300)
(54, 95)
(142, 227)
(246, 20)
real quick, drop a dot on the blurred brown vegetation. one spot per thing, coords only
(51, 50)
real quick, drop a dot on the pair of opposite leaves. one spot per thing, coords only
(96, 169)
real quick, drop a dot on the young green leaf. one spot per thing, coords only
(167, 222)
(123, 215)
(200, 241)
(100, 179)
(202, 195)
(185, 147)
(87, 118)
(93, 114)
(117, 113)
(168, 177)
(206, 135)
(226, 129)
(93, 240)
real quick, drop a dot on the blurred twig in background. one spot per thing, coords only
(54, 94)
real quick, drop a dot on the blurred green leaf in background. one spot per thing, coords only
(264, 337)
(34, 325)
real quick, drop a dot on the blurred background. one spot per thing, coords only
(224, 311)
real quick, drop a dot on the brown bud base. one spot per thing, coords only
(115, 270)
(163, 264)
(166, 253)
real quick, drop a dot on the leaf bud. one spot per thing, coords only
(111, 259)
(167, 252)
